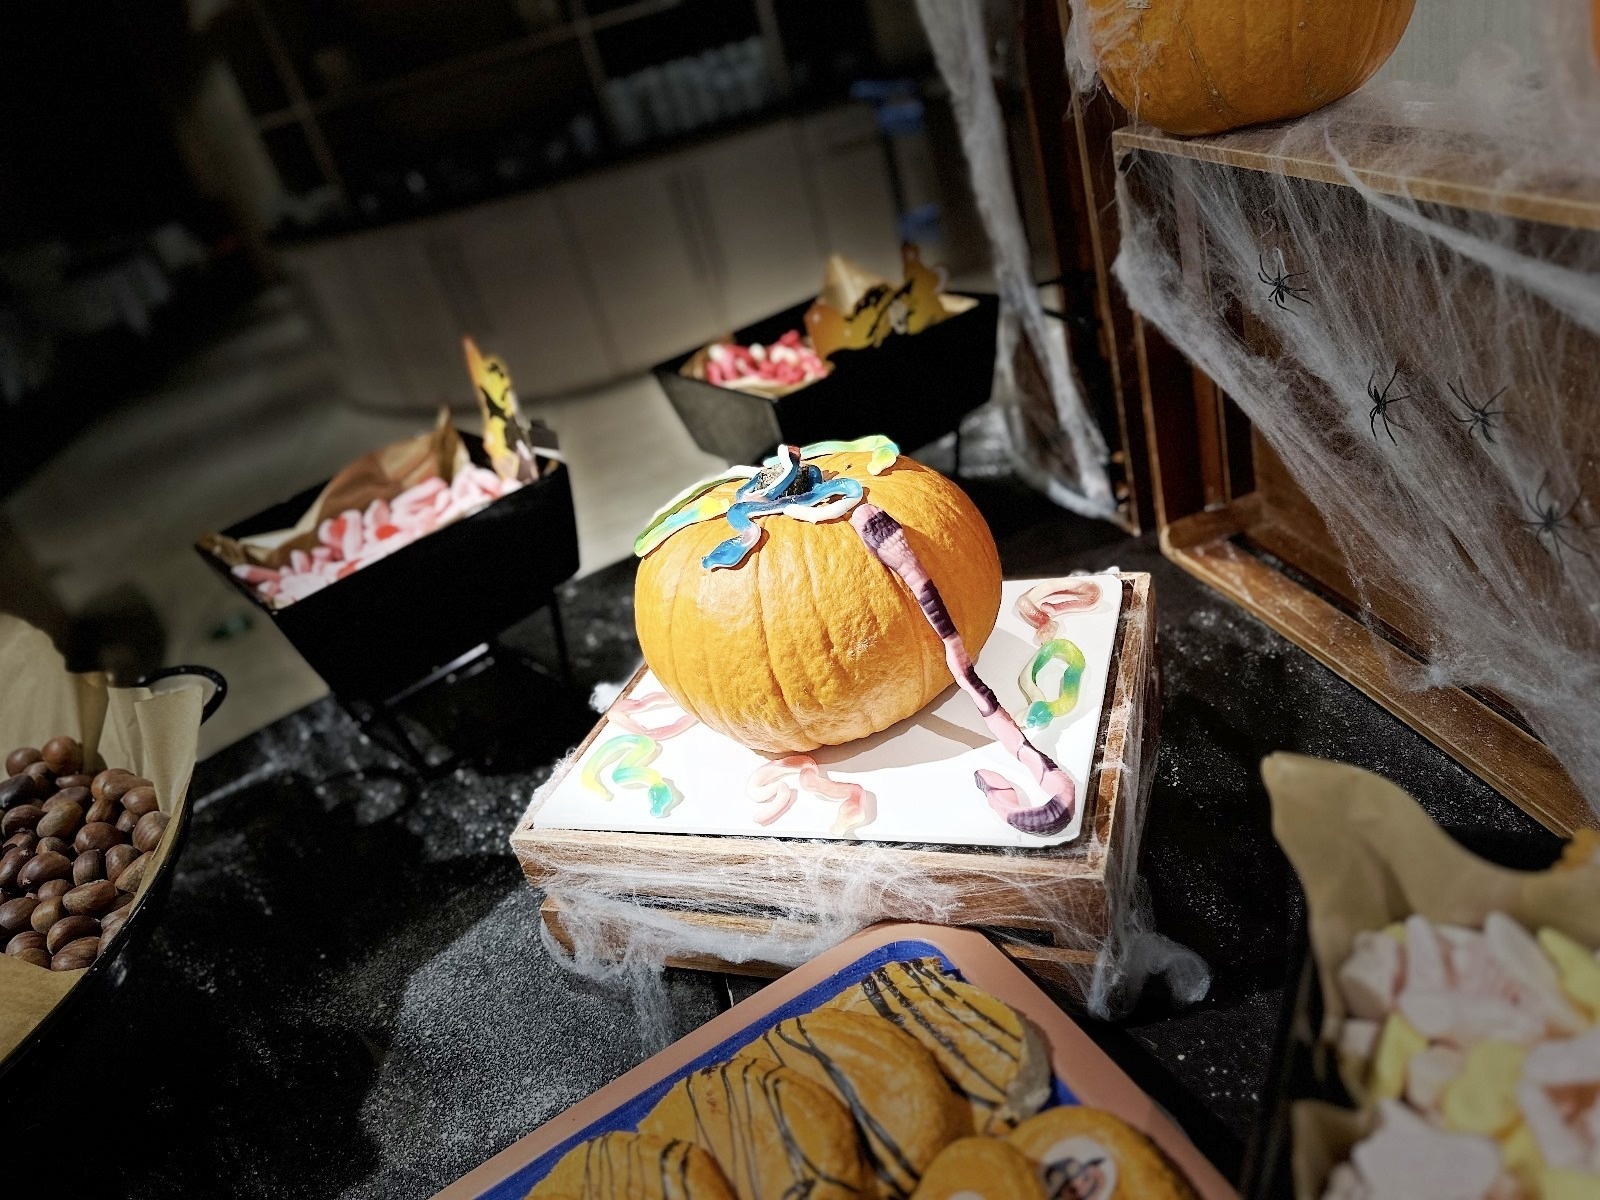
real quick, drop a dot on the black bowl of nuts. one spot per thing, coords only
(86, 857)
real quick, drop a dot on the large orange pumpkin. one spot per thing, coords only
(811, 641)
(1202, 66)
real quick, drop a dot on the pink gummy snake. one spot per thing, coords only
(886, 539)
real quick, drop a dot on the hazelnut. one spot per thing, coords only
(42, 868)
(63, 754)
(54, 889)
(20, 759)
(126, 822)
(53, 845)
(130, 878)
(47, 914)
(60, 821)
(147, 833)
(26, 940)
(23, 816)
(117, 858)
(98, 836)
(68, 929)
(89, 899)
(102, 810)
(16, 914)
(16, 790)
(10, 863)
(76, 955)
(74, 795)
(110, 925)
(71, 781)
(88, 866)
(112, 782)
(140, 800)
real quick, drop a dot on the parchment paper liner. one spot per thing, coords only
(151, 734)
(1368, 856)
(381, 475)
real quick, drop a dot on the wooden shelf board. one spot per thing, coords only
(462, 64)
(1442, 167)
(1499, 752)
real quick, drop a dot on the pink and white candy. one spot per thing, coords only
(770, 787)
(358, 538)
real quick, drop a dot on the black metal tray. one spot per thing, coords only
(402, 618)
(104, 977)
(912, 390)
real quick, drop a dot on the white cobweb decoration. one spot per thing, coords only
(1471, 502)
(1054, 441)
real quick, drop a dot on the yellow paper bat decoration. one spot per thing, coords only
(505, 436)
(882, 309)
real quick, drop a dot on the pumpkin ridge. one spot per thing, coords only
(829, 650)
(674, 666)
(766, 658)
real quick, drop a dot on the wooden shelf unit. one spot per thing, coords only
(1229, 512)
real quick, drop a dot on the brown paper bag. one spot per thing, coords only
(380, 475)
(1368, 856)
(151, 734)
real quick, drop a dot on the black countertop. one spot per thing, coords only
(347, 994)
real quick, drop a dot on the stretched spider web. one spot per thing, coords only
(1483, 535)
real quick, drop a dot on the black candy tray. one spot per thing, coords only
(913, 390)
(397, 621)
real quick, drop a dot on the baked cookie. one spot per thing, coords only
(892, 1087)
(980, 1168)
(987, 1050)
(773, 1132)
(1086, 1154)
(633, 1166)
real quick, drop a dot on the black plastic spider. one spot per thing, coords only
(1381, 402)
(1282, 289)
(1480, 418)
(1549, 521)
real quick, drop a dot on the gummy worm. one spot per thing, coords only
(883, 451)
(1042, 711)
(632, 754)
(695, 503)
(688, 507)
(787, 486)
(886, 539)
(1041, 604)
(773, 793)
(624, 713)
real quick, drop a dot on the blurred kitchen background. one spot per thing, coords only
(240, 240)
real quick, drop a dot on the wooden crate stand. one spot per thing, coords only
(1054, 905)
(1229, 512)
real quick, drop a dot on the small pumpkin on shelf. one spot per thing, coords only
(1205, 66)
(761, 614)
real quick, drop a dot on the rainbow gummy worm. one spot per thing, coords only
(632, 754)
(887, 541)
(625, 712)
(781, 486)
(1041, 711)
(773, 793)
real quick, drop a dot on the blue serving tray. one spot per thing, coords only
(1082, 1074)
